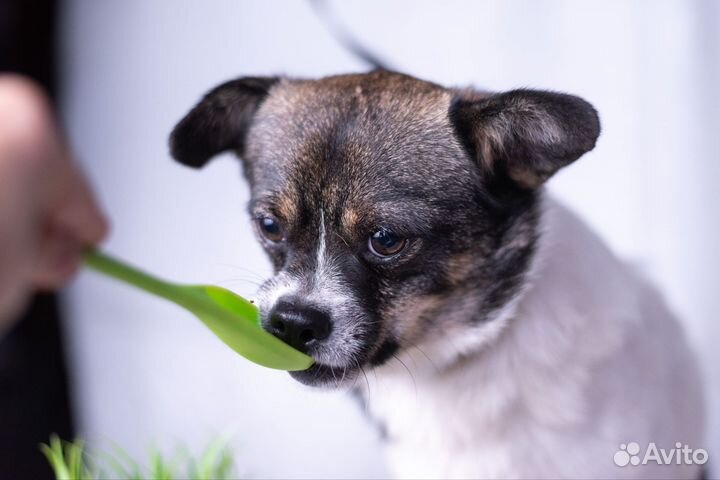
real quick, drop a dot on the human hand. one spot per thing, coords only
(47, 212)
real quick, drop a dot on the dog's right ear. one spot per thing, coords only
(219, 121)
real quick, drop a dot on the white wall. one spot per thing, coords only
(147, 373)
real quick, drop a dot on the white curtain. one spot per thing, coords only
(148, 374)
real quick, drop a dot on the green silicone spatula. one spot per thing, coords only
(232, 318)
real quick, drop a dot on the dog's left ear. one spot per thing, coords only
(525, 135)
(219, 121)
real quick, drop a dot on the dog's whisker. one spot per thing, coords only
(414, 360)
(243, 269)
(252, 282)
(412, 377)
(432, 362)
(316, 376)
(342, 378)
(332, 370)
(354, 383)
(367, 383)
(343, 240)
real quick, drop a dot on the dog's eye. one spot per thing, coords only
(270, 229)
(385, 243)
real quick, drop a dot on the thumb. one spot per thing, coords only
(77, 214)
(72, 223)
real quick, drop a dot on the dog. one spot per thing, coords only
(411, 236)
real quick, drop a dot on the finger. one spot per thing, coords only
(78, 213)
(30, 136)
(57, 259)
(27, 125)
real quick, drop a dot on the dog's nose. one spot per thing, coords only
(300, 326)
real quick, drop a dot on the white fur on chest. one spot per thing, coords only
(587, 358)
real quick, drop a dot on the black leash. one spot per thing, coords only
(340, 33)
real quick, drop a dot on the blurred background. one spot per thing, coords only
(143, 373)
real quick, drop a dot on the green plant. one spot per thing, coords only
(66, 459)
(232, 318)
(72, 461)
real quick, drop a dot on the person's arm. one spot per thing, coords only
(47, 213)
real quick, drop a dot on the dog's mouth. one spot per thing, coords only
(321, 375)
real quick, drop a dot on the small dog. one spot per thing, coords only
(410, 235)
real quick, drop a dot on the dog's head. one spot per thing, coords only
(394, 210)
